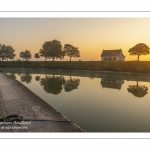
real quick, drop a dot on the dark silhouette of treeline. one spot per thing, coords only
(50, 50)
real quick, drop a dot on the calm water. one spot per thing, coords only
(97, 102)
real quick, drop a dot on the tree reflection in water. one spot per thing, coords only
(52, 84)
(12, 75)
(55, 84)
(26, 78)
(138, 90)
(37, 78)
(71, 84)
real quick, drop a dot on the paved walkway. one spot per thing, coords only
(38, 116)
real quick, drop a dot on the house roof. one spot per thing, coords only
(115, 52)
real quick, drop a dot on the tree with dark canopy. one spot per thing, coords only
(137, 90)
(71, 84)
(37, 56)
(25, 55)
(44, 53)
(21, 55)
(52, 84)
(71, 51)
(139, 49)
(51, 50)
(6, 52)
(3, 52)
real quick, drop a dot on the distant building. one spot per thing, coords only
(112, 55)
(111, 83)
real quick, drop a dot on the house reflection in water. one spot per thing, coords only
(111, 83)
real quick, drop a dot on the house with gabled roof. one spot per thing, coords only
(112, 55)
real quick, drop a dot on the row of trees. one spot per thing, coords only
(53, 50)
(50, 50)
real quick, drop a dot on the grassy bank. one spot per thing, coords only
(126, 66)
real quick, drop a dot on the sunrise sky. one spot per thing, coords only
(90, 35)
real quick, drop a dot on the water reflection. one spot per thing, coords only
(138, 90)
(52, 84)
(55, 84)
(26, 77)
(111, 83)
(37, 78)
(71, 84)
(18, 73)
